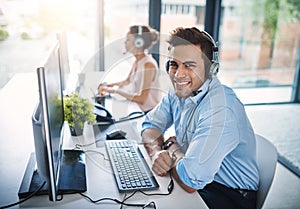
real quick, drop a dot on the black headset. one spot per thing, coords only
(214, 67)
(139, 41)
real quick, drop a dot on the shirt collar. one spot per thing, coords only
(204, 89)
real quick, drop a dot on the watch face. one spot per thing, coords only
(168, 144)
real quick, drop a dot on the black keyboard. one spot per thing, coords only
(130, 169)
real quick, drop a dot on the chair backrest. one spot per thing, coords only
(266, 156)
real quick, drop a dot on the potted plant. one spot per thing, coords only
(77, 111)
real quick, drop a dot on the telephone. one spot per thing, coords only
(104, 117)
(102, 114)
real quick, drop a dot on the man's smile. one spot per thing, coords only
(181, 84)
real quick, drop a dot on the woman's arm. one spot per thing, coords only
(120, 83)
(148, 77)
(103, 87)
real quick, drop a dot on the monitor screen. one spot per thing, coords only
(64, 59)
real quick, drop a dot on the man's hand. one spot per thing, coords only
(162, 162)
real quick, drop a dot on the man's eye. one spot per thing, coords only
(173, 65)
(189, 65)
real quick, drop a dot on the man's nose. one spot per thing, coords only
(181, 71)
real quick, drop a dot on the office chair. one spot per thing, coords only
(266, 156)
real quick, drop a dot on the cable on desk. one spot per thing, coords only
(130, 116)
(100, 153)
(25, 199)
(79, 146)
(147, 205)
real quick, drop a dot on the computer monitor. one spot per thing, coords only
(64, 59)
(62, 170)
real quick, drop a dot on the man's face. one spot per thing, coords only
(187, 71)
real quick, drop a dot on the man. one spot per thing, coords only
(213, 151)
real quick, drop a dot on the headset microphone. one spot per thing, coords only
(195, 93)
(127, 50)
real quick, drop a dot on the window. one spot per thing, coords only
(179, 14)
(31, 26)
(118, 17)
(259, 45)
(258, 41)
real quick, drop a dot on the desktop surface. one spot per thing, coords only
(16, 140)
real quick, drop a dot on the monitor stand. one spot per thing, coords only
(72, 177)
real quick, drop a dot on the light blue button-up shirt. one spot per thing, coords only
(215, 134)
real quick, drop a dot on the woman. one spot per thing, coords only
(144, 73)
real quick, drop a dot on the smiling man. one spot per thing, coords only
(187, 79)
(213, 150)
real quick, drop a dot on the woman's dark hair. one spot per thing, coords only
(149, 35)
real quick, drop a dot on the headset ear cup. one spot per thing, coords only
(139, 42)
(167, 66)
(214, 69)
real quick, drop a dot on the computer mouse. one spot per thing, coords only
(116, 134)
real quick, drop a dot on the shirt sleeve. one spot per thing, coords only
(215, 136)
(160, 117)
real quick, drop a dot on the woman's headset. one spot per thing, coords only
(214, 67)
(139, 41)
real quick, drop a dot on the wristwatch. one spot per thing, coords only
(168, 144)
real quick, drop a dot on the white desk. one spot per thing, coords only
(18, 99)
